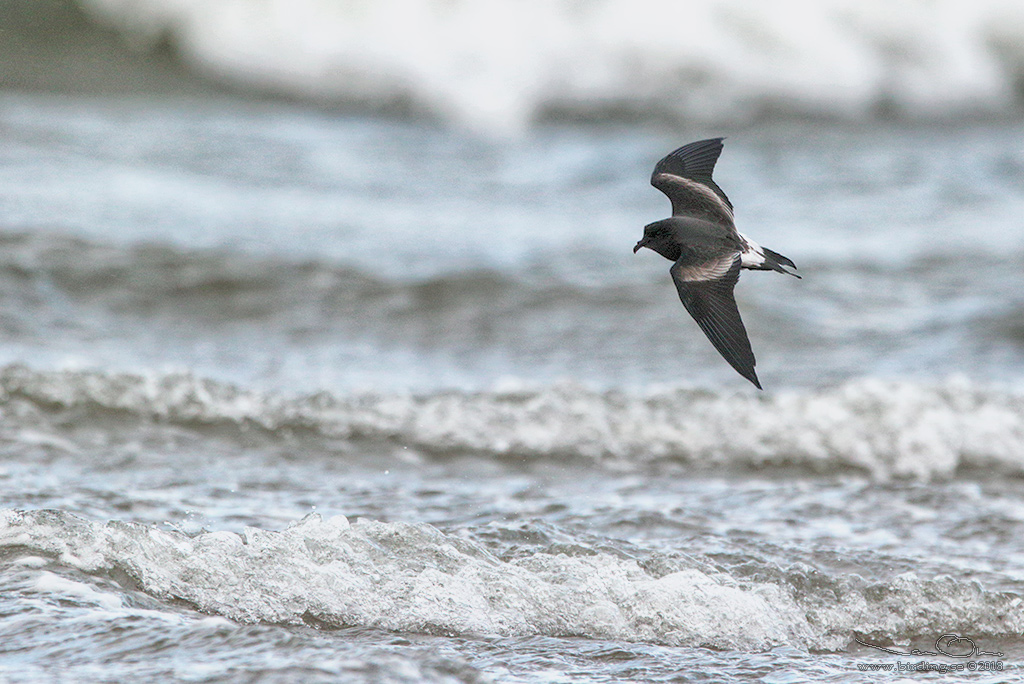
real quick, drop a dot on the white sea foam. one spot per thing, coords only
(414, 577)
(50, 583)
(900, 429)
(500, 64)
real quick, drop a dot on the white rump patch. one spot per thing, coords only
(752, 254)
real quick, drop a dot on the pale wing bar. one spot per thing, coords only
(712, 304)
(685, 177)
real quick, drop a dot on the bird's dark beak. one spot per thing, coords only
(642, 243)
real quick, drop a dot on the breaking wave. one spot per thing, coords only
(416, 578)
(721, 61)
(889, 429)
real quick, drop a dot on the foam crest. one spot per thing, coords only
(407, 577)
(890, 429)
(718, 60)
(414, 577)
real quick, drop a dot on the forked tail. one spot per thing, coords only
(773, 261)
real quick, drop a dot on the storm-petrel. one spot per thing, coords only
(701, 238)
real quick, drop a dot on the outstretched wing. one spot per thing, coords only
(706, 291)
(685, 177)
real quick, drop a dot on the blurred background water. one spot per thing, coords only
(325, 356)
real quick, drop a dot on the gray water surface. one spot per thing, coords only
(301, 397)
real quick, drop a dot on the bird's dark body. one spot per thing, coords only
(707, 251)
(691, 239)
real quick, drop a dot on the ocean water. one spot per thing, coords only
(303, 392)
(500, 65)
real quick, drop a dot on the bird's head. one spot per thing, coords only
(660, 237)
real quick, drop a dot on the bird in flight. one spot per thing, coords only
(707, 250)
